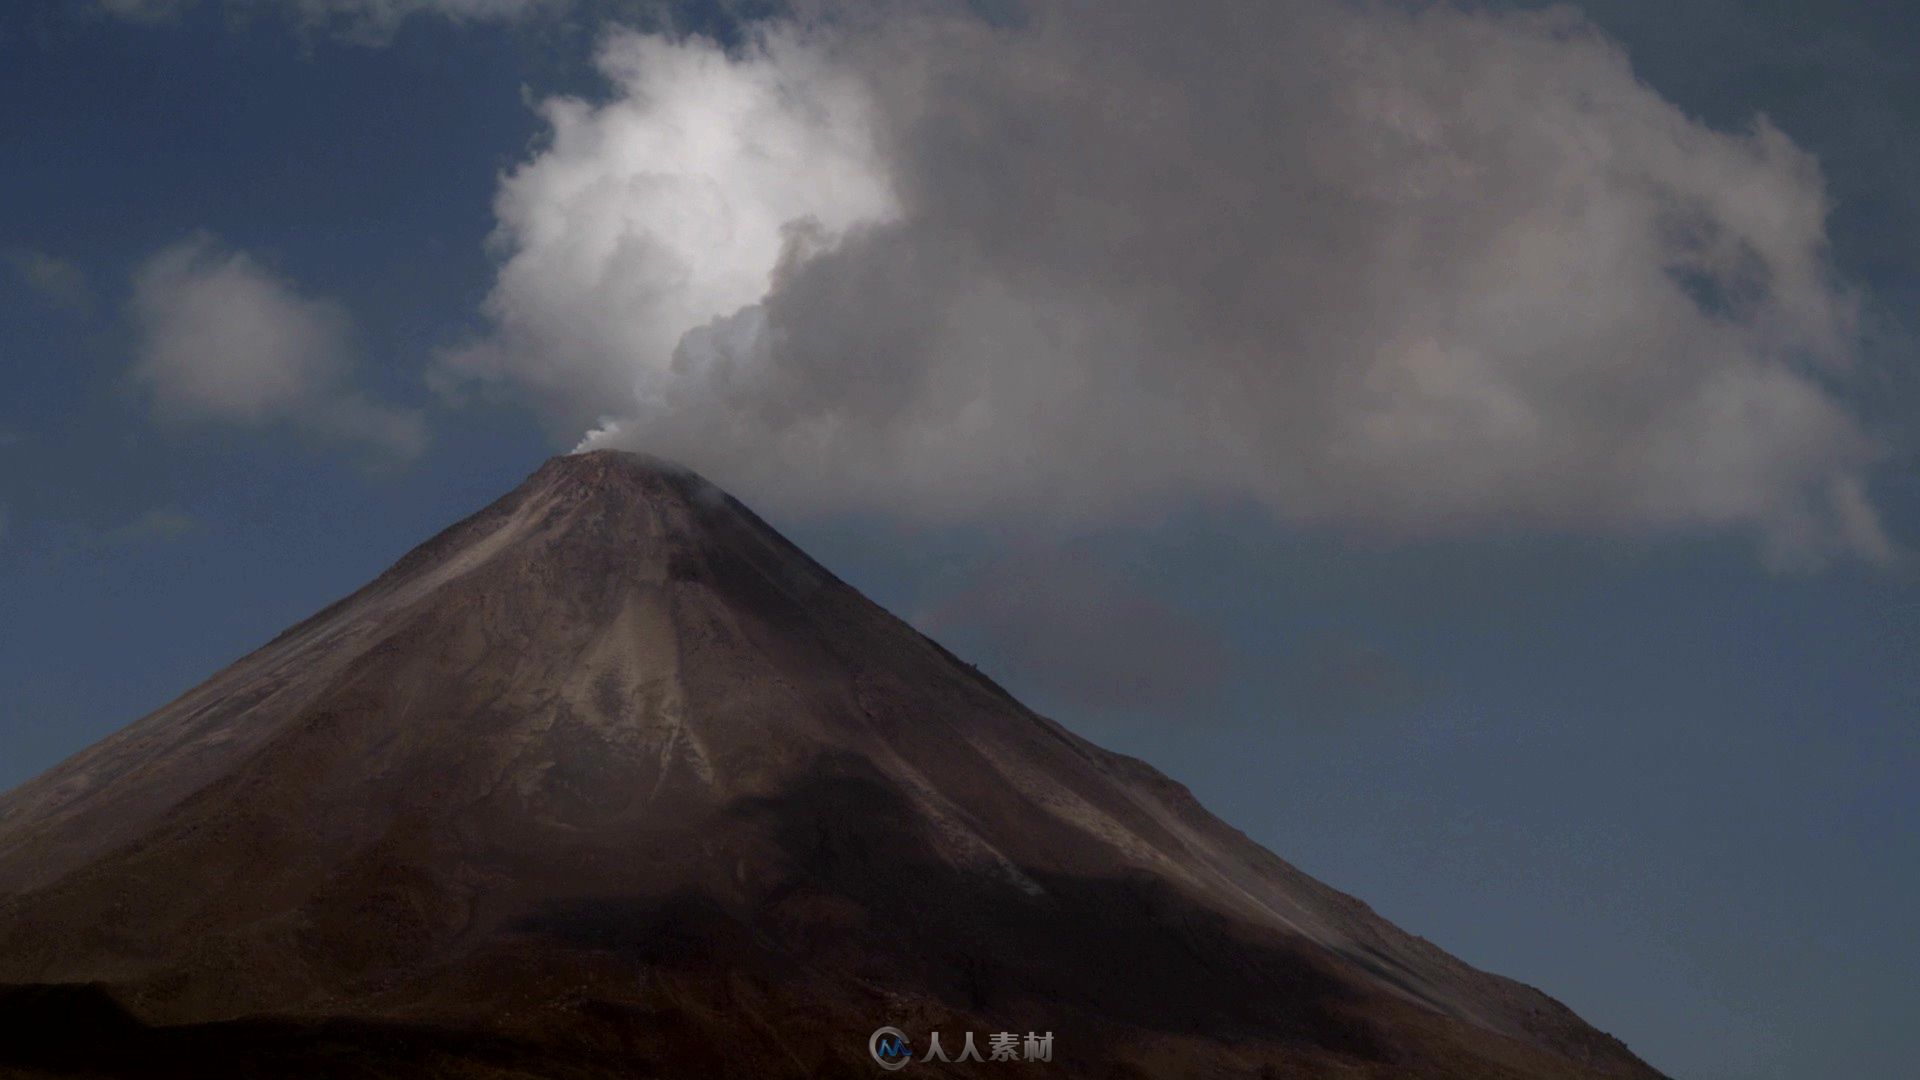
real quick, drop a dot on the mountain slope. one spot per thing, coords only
(615, 776)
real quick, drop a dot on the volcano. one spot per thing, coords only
(611, 780)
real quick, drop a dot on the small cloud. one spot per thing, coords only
(222, 339)
(54, 281)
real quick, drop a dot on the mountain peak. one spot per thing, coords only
(600, 521)
(613, 467)
(615, 477)
(610, 765)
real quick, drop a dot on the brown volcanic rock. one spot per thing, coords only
(611, 780)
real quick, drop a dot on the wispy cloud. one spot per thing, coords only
(161, 523)
(143, 10)
(366, 21)
(54, 280)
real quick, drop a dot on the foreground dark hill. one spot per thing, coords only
(611, 780)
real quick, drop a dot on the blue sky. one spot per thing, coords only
(1659, 762)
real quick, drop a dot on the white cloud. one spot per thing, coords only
(223, 339)
(667, 207)
(1397, 270)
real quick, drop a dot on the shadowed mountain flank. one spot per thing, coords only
(609, 780)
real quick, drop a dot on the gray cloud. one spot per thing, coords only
(1397, 269)
(223, 339)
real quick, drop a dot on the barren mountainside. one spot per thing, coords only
(612, 780)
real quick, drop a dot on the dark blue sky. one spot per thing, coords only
(1664, 782)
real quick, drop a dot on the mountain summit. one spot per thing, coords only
(610, 779)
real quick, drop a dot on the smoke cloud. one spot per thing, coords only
(1396, 269)
(666, 207)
